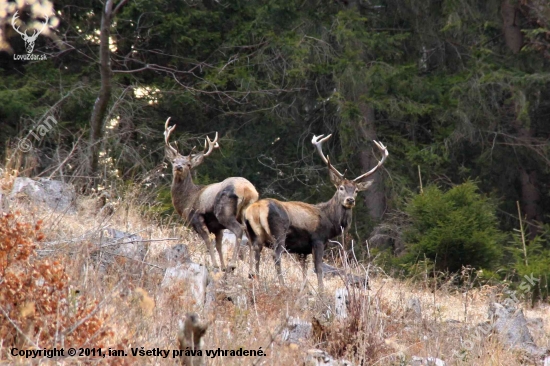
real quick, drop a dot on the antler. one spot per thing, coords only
(210, 145)
(318, 142)
(167, 132)
(36, 33)
(384, 157)
(24, 34)
(13, 24)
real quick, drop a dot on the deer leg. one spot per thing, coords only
(256, 252)
(226, 213)
(279, 245)
(251, 252)
(318, 251)
(200, 227)
(277, 256)
(253, 246)
(303, 264)
(219, 240)
(237, 229)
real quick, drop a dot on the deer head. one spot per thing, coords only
(347, 189)
(182, 165)
(29, 40)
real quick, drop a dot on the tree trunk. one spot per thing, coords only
(512, 32)
(100, 107)
(530, 194)
(374, 197)
(97, 122)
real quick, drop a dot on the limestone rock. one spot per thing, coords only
(317, 357)
(414, 306)
(297, 330)
(177, 254)
(430, 361)
(194, 275)
(511, 326)
(341, 303)
(55, 194)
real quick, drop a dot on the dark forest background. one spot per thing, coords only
(457, 89)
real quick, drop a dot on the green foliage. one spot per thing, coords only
(533, 263)
(453, 229)
(447, 96)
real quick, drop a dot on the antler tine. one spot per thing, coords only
(317, 141)
(334, 170)
(167, 132)
(15, 16)
(212, 144)
(384, 157)
(37, 32)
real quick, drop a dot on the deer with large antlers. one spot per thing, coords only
(302, 228)
(29, 40)
(211, 208)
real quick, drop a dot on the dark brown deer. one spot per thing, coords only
(303, 228)
(211, 208)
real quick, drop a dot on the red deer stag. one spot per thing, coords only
(302, 228)
(211, 208)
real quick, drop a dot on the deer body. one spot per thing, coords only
(303, 228)
(211, 208)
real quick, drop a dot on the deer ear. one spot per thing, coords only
(362, 186)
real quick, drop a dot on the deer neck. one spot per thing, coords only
(184, 194)
(337, 215)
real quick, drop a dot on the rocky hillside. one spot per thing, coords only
(97, 273)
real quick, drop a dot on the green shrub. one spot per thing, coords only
(453, 229)
(534, 263)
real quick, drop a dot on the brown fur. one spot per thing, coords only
(211, 208)
(299, 227)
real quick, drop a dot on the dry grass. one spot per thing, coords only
(381, 328)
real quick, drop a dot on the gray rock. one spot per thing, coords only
(177, 254)
(414, 306)
(317, 357)
(430, 361)
(297, 330)
(511, 326)
(229, 238)
(55, 194)
(195, 276)
(341, 303)
(124, 244)
(351, 279)
(114, 243)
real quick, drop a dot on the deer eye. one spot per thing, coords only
(341, 188)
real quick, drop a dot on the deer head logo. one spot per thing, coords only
(29, 40)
